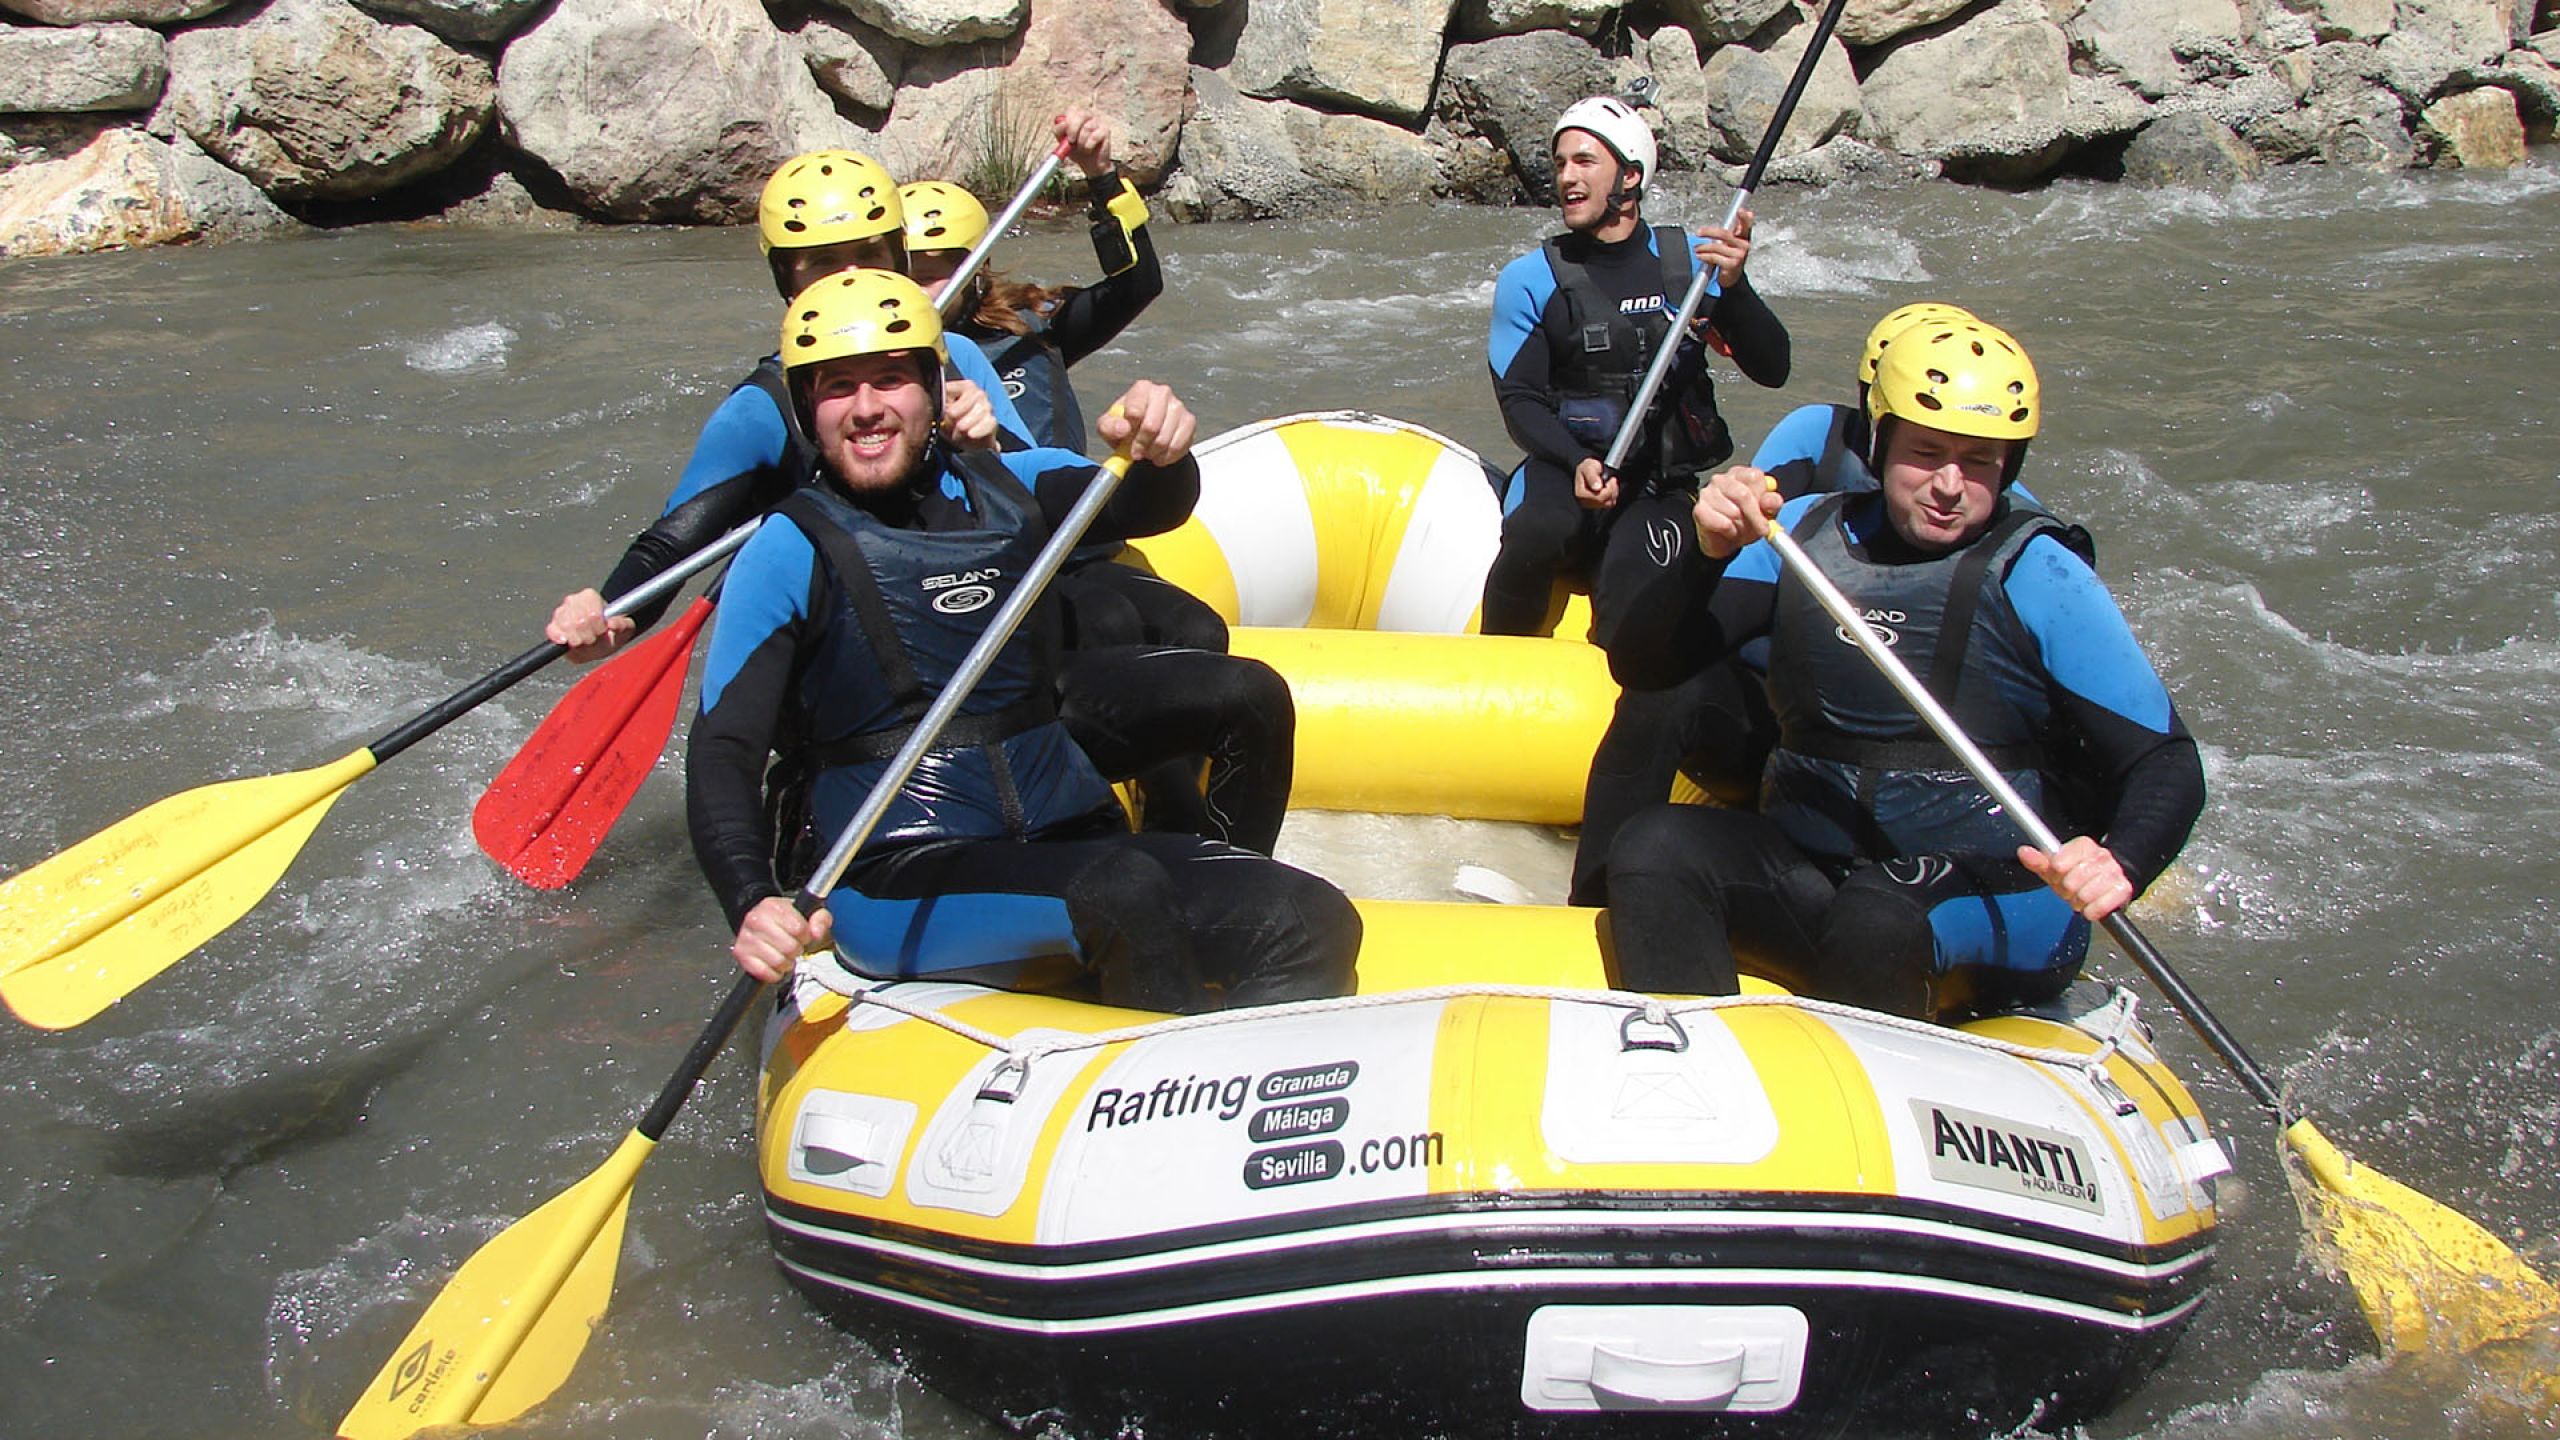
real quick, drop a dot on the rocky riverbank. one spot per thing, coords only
(139, 122)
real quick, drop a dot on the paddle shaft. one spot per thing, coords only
(453, 706)
(2120, 926)
(1705, 278)
(958, 284)
(973, 668)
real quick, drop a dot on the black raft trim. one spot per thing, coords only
(1054, 1288)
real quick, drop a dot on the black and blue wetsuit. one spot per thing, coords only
(1005, 850)
(1877, 871)
(1576, 324)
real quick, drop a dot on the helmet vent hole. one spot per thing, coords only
(1929, 402)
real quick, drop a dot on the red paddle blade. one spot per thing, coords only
(546, 813)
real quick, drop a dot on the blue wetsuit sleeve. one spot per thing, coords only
(734, 474)
(970, 363)
(1800, 436)
(2142, 764)
(1518, 354)
(746, 686)
(1151, 500)
(744, 435)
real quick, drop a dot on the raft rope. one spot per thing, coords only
(2108, 1024)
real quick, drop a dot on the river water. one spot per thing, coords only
(261, 503)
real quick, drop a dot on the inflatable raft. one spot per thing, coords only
(1488, 1194)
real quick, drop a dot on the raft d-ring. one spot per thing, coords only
(1654, 1015)
(2109, 1091)
(1004, 1083)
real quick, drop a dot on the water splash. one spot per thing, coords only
(473, 349)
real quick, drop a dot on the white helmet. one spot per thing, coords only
(1617, 125)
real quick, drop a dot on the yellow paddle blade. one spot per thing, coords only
(86, 928)
(2427, 1276)
(511, 1323)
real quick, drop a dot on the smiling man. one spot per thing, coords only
(1004, 859)
(1576, 324)
(1877, 871)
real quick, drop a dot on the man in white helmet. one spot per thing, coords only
(1576, 324)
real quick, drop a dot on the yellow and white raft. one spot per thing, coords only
(1487, 1195)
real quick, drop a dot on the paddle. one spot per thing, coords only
(510, 1325)
(2421, 1271)
(88, 926)
(544, 815)
(1699, 284)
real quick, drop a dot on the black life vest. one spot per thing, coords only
(912, 603)
(1611, 347)
(1035, 379)
(1857, 773)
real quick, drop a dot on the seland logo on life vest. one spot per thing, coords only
(1966, 1147)
(963, 592)
(1880, 623)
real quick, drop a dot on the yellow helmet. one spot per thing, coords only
(1894, 323)
(1966, 377)
(860, 312)
(941, 216)
(825, 197)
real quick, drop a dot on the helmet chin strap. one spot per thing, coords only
(1624, 199)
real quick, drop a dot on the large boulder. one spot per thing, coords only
(124, 189)
(316, 100)
(83, 68)
(936, 23)
(2476, 31)
(1682, 100)
(2190, 149)
(853, 62)
(1988, 96)
(1872, 22)
(960, 117)
(2474, 130)
(1249, 158)
(673, 110)
(473, 22)
(1747, 82)
(1511, 89)
(1721, 22)
(97, 12)
(2532, 79)
(1239, 160)
(2366, 128)
(1375, 56)
(2143, 42)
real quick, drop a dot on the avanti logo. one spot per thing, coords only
(1989, 1152)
